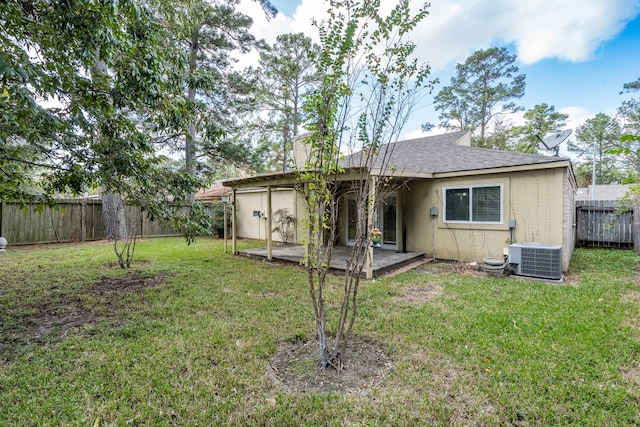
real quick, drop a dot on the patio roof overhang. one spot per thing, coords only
(290, 179)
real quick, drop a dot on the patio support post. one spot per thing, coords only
(234, 221)
(371, 204)
(269, 225)
(224, 223)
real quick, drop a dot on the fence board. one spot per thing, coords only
(157, 229)
(599, 224)
(71, 221)
(636, 228)
(93, 222)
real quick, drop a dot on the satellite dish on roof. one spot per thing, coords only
(552, 141)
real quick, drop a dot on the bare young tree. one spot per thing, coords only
(124, 244)
(369, 84)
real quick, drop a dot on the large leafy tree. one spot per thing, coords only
(286, 73)
(540, 121)
(58, 122)
(610, 175)
(86, 89)
(369, 84)
(595, 138)
(484, 87)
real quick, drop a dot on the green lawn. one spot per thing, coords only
(192, 338)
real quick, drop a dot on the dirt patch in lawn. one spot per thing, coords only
(60, 312)
(296, 368)
(420, 294)
(129, 283)
(451, 267)
(632, 296)
(633, 318)
(265, 294)
(632, 378)
(477, 270)
(440, 382)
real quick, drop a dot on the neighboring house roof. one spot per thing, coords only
(214, 192)
(602, 192)
(442, 154)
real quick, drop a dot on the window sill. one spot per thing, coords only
(473, 226)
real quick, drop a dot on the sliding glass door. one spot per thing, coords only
(386, 220)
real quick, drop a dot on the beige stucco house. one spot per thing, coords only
(455, 201)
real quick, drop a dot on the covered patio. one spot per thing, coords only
(384, 260)
(391, 256)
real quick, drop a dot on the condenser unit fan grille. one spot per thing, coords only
(537, 260)
(545, 263)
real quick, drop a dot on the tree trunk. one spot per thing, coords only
(190, 141)
(115, 220)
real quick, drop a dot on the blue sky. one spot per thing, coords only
(576, 54)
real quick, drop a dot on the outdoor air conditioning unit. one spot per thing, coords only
(541, 260)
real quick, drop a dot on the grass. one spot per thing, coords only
(194, 345)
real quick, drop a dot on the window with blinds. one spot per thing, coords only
(481, 204)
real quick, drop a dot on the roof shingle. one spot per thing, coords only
(441, 154)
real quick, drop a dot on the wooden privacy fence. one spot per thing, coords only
(636, 228)
(71, 221)
(599, 224)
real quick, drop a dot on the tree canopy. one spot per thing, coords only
(53, 111)
(595, 138)
(484, 87)
(285, 74)
(90, 92)
(540, 121)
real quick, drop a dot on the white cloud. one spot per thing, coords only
(269, 29)
(568, 30)
(419, 133)
(577, 116)
(564, 29)
(571, 29)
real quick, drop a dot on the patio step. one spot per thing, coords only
(405, 268)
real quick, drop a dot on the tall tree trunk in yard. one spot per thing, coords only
(190, 142)
(115, 220)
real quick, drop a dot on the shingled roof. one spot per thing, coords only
(441, 154)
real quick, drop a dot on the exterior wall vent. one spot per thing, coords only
(541, 260)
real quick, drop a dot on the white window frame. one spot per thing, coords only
(470, 188)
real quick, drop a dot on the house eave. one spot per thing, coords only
(287, 179)
(290, 179)
(401, 174)
(504, 169)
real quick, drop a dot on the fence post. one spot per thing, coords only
(635, 227)
(141, 223)
(83, 226)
